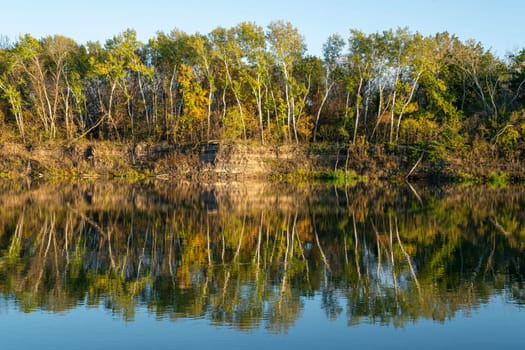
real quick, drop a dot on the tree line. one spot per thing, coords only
(253, 83)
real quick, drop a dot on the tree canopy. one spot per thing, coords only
(248, 82)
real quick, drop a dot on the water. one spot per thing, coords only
(99, 265)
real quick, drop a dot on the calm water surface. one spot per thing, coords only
(110, 265)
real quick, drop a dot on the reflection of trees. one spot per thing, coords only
(386, 259)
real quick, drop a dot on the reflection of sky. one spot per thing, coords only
(497, 325)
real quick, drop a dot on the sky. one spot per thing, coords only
(497, 24)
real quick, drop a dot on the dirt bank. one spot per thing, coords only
(215, 161)
(202, 161)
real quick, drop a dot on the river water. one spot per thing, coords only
(257, 265)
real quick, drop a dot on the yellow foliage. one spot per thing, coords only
(195, 101)
(412, 108)
(305, 125)
(417, 130)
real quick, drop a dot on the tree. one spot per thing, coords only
(10, 82)
(252, 44)
(332, 52)
(59, 53)
(517, 77)
(287, 48)
(228, 51)
(115, 64)
(204, 56)
(194, 101)
(29, 59)
(168, 52)
(361, 60)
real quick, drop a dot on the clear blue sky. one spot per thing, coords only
(498, 24)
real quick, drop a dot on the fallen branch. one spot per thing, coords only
(415, 166)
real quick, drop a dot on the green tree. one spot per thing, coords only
(251, 39)
(115, 64)
(228, 51)
(168, 52)
(287, 48)
(10, 84)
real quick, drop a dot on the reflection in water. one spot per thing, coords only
(248, 256)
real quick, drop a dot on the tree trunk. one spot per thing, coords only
(414, 85)
(357, 105)
(323, 101)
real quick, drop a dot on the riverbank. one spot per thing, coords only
(240, 161)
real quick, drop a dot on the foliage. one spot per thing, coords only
(247, 82)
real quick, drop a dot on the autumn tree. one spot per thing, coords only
(332, 54)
